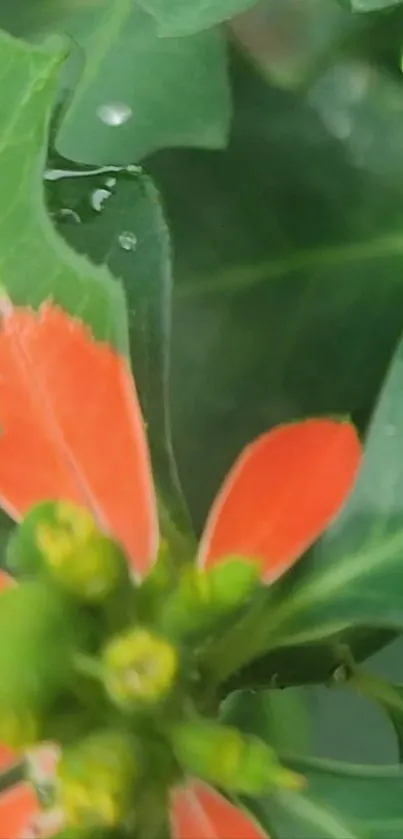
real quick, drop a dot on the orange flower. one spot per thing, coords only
(71, 429)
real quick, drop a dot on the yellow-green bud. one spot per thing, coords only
(224, 756)
(140, 668)
(78, 557)
(96, 780)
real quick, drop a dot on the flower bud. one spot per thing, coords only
(139, 668)
(77, 556)
(225, 757)
(96, 780)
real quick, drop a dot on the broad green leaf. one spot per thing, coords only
(184, 17)
(355, 573)
(35, 262)
(341, 801)
(277, 267)
(279, 717)
(135, 93)
(115, 217)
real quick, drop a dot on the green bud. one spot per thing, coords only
(232, 582)
(96, 780)
(80, 559)
(224, 756)
(40, 634)
(61, 541)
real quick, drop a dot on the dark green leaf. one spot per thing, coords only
(314, 664)
(277, 282)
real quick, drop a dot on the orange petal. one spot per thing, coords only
(18, 807)
(199, 812)
(282, 492)
(71, 427)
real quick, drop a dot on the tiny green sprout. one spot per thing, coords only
(224, 756)
(140, 668)
(77, 556)
(96, 780)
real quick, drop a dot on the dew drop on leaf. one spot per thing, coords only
(114, 113)
(128, 240)
(67, 215)
(98, 198)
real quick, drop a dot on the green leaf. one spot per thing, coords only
(114, 216)
(137, 92)
(35, 262)
(342, 801)
(278, 717)
(184, 17)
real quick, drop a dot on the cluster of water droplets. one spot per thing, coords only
(95, 201)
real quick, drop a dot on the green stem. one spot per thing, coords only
(377, 689)
(240, 644)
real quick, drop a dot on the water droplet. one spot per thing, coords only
(390, 430)
(110, 182)
(133, 169)
(114, 113)
(67, 215)
(128, 240)
(98, 198)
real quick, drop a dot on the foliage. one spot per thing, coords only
(216, 188)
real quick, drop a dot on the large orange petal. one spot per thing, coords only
(282, 492)
(71, 427)
(199, 812)
(18, 808)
